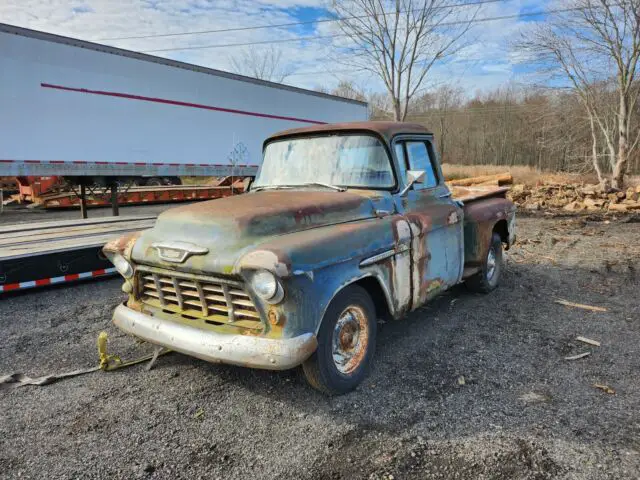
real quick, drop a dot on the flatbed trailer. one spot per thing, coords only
(135, 196)
(47, 253)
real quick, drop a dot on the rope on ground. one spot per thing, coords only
(108, 362)
(16, 380)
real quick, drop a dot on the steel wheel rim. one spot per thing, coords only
(491, 263)
(350, 339)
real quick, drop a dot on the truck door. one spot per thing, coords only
(435, 219)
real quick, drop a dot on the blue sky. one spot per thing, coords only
(484, 64)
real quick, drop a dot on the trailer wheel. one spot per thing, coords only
(346, 343)
(488, 278)
(154, 182)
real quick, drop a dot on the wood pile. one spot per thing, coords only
(574, 198)
(570, 197)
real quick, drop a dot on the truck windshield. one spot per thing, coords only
(338, 160)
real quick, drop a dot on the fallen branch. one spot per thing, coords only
(578, 356)
(567, 303)
(595, 343)
(604, 388)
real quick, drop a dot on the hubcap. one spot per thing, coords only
(350, 339)
(491, 263)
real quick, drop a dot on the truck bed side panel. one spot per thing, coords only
(480, 218)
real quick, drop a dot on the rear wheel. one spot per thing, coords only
(346, 343)
(488, 278)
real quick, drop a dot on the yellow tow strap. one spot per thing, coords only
(113, 362)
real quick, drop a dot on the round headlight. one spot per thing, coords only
(265, 284)
(121, 264)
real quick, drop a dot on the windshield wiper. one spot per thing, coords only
(306, 184)
(328, 185)
(271, 187)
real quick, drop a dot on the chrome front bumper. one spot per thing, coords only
(244, 350)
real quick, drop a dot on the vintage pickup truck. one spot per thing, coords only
(344, 224)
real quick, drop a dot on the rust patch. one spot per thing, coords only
(276, 317)
(122, 244)
(352, 341)
(387, 130)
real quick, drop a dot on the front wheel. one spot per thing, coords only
(346, 343)
(488, 278)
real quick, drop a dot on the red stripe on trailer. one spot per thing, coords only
(57, 161)
(53, 280)
(178, 103)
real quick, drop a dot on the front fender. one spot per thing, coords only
(314, 265)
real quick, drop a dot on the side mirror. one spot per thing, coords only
(413, 176)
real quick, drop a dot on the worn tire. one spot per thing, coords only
(154, 182)
(321, 370)
(487, 279)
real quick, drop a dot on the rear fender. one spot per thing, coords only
(481, 219)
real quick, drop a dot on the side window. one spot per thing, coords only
(419, 159)
(402, 161)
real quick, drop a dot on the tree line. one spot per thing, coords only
(584, 52)
(540, 128)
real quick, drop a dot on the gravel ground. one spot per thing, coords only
(468, 387)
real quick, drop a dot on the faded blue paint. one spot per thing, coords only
(316, 240)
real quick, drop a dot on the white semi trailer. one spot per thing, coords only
(79, 109)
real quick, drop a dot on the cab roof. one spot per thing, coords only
(386, 130)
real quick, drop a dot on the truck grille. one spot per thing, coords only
(216, 300)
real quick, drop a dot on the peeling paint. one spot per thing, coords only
(315, 243)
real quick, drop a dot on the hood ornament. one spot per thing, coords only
(178, 252)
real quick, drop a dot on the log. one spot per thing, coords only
(501, 178)
(595, 343)
(580, 305)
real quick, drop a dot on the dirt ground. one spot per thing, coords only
(468, 387)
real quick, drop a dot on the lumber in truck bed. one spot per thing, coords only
(475, 188)
(472, 193)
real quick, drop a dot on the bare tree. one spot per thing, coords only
(400, 41)
(261, 63)
(596, 46)
(346, 89)
(435, 108)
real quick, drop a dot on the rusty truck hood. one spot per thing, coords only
(233, 226)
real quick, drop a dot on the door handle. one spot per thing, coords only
(444, 195)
